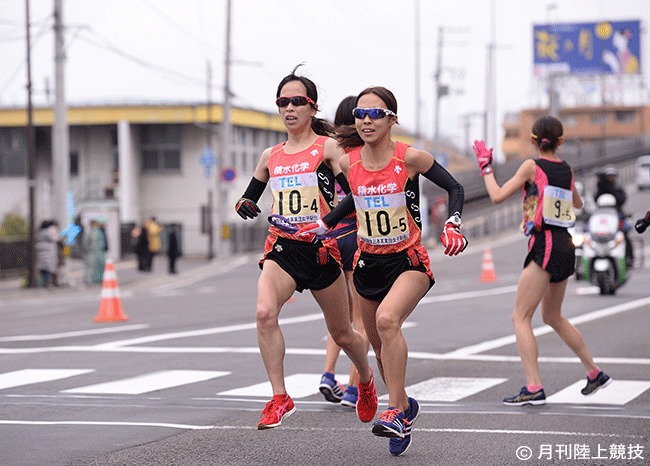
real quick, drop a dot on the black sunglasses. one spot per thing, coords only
(295, 100)
(374, 113)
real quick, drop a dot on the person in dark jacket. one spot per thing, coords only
(173, 251)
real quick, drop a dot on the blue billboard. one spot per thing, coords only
(587, 48)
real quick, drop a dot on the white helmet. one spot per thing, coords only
(606, 200)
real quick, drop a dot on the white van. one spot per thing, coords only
(643, 172)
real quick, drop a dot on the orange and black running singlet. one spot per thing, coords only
(387, 204)
(302, 185)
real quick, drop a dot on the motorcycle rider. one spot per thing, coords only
(607, 185)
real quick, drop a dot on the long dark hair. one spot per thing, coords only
(320, 126)
(546, 132)
(347, 136)
(343, 115)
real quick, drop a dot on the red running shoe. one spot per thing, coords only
(367, 402)
(279, 407)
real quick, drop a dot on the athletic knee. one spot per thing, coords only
(553, 320)
(387, 325)
(266, 316)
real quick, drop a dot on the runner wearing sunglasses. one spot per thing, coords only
(301, 172)
(391, 271)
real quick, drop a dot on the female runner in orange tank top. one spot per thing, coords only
(391, 271)
(301, 173)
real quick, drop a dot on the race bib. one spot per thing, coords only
(295, 197)
(558, 207)
(382, 219)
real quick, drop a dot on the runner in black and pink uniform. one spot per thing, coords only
(549, 198)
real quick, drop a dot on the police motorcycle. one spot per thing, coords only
(603, 258)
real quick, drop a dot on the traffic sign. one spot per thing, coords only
(228, 174)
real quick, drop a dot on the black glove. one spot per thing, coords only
(247, 208)
(641, 225)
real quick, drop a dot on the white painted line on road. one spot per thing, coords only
(207, 331)
(586, 290)
(469, 294)
(619, 392)
(103, 423)
(31, 376)
(312, 428)
(588, 317)
(449, 388)
(299, 385)
(79, 333)
(149, 382)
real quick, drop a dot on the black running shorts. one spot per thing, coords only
(310, 265)
(553, 250)
(375, 274)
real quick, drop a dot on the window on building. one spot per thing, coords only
(625, 116)
(161, 148)
(599, 119)
(13, 153)
(569, 120)
(74, 163)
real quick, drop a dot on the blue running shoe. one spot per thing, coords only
(525, 397)
(350, 397)
(391, 423)
(331, 389)
(397, 446)
(601, 381)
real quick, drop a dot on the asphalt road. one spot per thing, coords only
(182, 383)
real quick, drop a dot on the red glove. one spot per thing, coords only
(483, 157)
(452, 239)
(318, 228)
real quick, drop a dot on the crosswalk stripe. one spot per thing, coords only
(30, 376)
(449, 388)
(149, 382)
(619, 392)
(297, 385)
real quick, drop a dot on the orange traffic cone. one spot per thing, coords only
(487, 268)
(110, 306)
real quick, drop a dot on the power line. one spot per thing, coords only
(163, 72)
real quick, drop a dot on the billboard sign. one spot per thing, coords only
(611, 47)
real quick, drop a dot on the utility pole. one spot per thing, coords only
(208, 142)
(60, 132)
(490, 123)
(222, 195)
(418, 111)
(439, 91)
(31, 164)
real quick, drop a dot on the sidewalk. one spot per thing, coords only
(128, 276)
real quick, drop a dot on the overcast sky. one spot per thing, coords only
(156, 50)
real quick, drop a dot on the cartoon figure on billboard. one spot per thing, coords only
(623, 61)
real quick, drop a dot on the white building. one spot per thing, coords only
(132, 162)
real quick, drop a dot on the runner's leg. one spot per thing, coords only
(533, 283)
(274, 288)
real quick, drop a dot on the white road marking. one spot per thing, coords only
(588, 317)
(149, 382)
(469, 294)
(619, 392)
(310, 428)
(299, 385)
(449, 388)
(31, 376)
(54, 336)
(207, 331)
